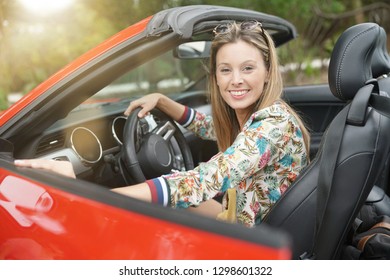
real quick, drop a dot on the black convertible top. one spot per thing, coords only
(183, 21)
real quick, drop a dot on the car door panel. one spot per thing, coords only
(74, 219)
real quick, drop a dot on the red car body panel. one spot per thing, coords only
(73, 66)
(64, 221)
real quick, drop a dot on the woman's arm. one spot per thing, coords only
(157, 100)
(140, 191)
(201, 124)
(65, 168)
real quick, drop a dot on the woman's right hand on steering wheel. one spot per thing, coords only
(147, 103)
(159, 101)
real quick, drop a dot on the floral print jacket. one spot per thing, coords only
(263, 161)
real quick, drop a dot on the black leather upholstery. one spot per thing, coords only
(379, 200)
(350, 65)
(363, 152)
(381, 59)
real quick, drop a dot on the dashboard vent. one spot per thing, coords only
(50, 142)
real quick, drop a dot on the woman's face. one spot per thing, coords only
(240, 74)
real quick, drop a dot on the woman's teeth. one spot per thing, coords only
(238, 92)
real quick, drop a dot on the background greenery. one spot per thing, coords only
(33, 47)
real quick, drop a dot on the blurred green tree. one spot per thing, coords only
(33, 47)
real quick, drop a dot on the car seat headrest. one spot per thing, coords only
(381, 60)
(350, 62)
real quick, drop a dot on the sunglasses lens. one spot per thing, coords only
(222, 29)
(249, 25)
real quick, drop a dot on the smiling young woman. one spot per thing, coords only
(263, 144)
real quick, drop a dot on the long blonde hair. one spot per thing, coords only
(224, 117)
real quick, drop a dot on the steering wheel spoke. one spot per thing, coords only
(166, 131)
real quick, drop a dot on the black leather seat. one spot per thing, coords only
(362, 153)
(380, 64)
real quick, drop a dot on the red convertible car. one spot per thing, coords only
(77, 115)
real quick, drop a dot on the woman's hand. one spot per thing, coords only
(147, 103)
(156, 100)
(64, 168)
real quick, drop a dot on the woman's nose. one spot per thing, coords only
(237, 79)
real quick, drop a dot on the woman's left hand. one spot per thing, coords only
(64, 168)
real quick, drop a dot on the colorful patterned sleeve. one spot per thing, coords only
(199, 123)
(252, 150)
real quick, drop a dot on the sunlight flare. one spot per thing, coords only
(45, 6)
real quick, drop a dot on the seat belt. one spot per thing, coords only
(381, 104)
(330, 154)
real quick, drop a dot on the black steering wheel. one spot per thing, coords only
(149, 152)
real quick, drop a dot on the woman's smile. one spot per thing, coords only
(239, 94)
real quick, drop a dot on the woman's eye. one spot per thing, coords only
(248, 68)
(225, 70)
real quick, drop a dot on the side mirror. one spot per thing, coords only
(193, 50)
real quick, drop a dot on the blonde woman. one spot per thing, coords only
(263, 143)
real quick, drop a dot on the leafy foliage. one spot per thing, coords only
(34, 47)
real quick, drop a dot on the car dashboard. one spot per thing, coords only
(91, 136)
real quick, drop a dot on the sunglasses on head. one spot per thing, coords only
(247, 25)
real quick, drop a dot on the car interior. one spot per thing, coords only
(91, 131)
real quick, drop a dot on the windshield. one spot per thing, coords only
(165, 74)
(184, 70)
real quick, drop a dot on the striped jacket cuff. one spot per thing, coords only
(187, 117)
(160, 191)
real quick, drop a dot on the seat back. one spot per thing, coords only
(362, 154)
